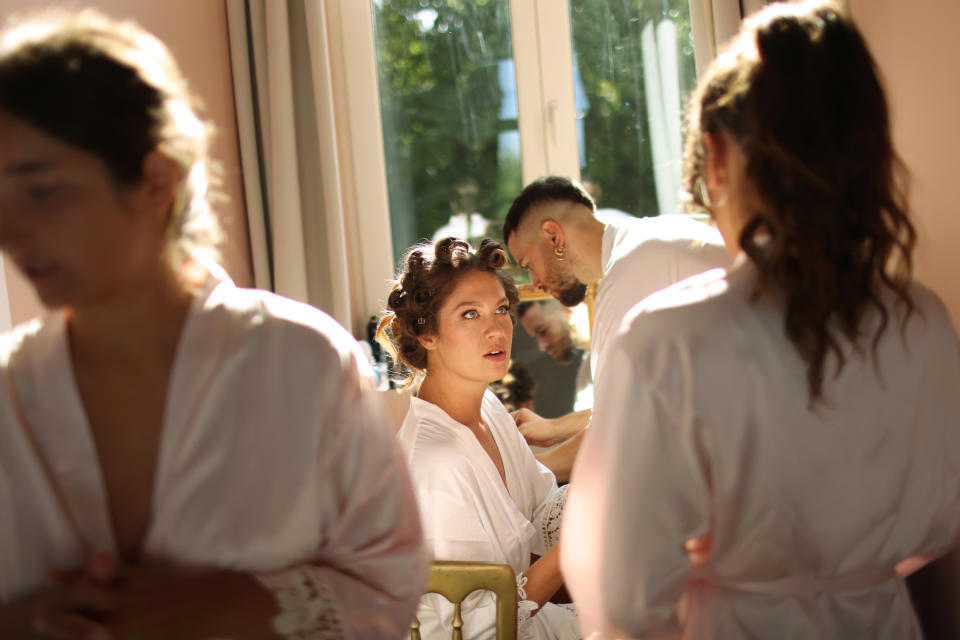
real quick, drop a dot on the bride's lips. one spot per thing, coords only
(497, 355)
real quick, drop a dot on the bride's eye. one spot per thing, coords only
(503, 309)
(470, 314)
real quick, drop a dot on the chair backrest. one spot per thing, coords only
(455, 580)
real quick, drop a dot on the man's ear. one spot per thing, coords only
(552, 231)
(428, 342)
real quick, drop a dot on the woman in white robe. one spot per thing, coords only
(482, 494)
(746, 478)
(178, 457)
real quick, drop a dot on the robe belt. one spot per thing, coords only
(802, 586)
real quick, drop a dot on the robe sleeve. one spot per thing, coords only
(548, 516)
(548, 499)
(639, 490)
(370, 570)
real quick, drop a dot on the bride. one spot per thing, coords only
(482, 495)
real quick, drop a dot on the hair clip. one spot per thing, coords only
(421, 320)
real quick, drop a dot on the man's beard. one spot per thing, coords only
(567, 355)
(572, 294)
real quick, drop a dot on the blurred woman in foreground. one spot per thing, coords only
(777, 443)
(179, 458)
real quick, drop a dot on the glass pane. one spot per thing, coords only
(449, 110)
(633, 67)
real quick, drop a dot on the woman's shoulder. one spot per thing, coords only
(492, 409)
(35, 340)
(686, 307)
(428, 432)
(435, 447)
(929, 320)
(253, 317)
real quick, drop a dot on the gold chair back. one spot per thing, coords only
(455, 580)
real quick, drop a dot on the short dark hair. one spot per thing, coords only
(552, 306)
(544, 190)
(520, 383)
(524, 306)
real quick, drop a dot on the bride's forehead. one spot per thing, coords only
(476, 284)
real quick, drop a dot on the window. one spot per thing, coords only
(449, 115)
(480, 97)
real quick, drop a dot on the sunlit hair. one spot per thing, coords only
(428, 277)
(799, 92)
(114, 90)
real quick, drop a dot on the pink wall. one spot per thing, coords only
(195, 31)
(917, 49)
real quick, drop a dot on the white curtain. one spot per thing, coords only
(288, 135)
(661, 81)
(714, 22)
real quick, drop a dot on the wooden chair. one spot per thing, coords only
(456, 580)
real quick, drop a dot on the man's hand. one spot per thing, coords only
(545, 432)
(540, 432)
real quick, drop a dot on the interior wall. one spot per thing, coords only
(196, 33)
(916, 48)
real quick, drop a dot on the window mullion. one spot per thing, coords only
(527, 63)
(558, 112)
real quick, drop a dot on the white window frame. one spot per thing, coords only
(540, 31)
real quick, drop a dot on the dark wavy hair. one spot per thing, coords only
(799, 92)
(429, 275)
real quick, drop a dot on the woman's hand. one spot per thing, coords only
(699, 549)
(109, 599)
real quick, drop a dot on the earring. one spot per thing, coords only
(560, 254)
(704, 195)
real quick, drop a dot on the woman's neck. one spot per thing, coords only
(460, 399)
(140, 323)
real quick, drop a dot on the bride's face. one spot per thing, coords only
(474, 330)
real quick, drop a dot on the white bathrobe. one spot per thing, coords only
(468, 513)
(641, 256)
(702, 424)
(274, 454)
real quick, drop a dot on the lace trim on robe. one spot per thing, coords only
(549, 518)
(306, 605)
(525, 608)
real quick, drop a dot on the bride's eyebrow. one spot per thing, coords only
(474, 303)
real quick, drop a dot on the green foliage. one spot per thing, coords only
(441, 106)
(607, 39)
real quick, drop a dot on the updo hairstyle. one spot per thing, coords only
(429, 275)
(113, 90)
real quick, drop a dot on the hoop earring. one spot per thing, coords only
(704, 194)
(560, 254)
